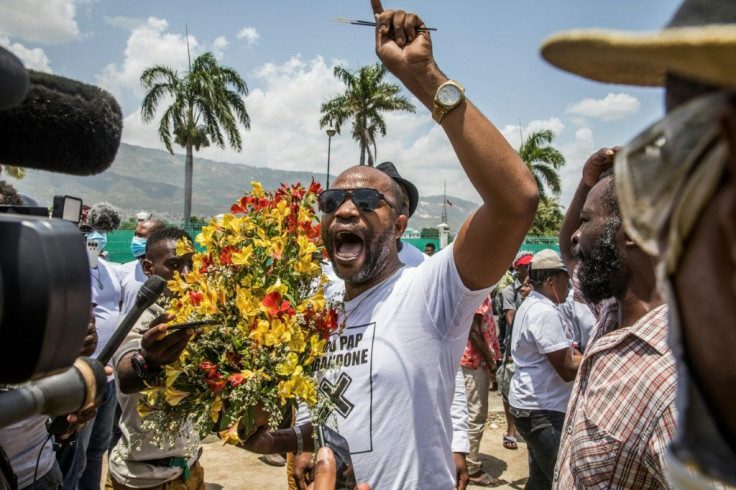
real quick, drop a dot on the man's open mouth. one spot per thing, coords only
(347, 246)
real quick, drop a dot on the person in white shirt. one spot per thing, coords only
(542, 345)
(131, 273)
(397, 356)
(410, 256)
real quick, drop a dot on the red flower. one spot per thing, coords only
(275, 307)
(227, 254)
(206, 264)
(235, 379)
(216, 384)
(209, 368)
(196, 297)
(315, 187)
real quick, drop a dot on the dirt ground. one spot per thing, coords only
(227, 467)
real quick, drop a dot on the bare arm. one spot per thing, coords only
(592, 170)
(490, 237)
(566, 362)
(479, 342)
(157, 348)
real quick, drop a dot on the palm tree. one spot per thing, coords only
(207, 102)
(543, 160)
(367, 95)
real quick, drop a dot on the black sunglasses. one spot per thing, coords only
(365, 198)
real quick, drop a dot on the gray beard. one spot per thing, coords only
(377, 257)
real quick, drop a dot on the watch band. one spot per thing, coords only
(299, 440)
(439, 110)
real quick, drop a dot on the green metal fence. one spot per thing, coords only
(118, 243)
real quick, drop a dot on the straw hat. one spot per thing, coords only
(699, 43)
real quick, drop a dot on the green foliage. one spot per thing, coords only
(367, 95)
(15, 172)
(206, 107)
(544, 161)
(548, 220)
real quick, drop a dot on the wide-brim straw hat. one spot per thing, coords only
(699, 43)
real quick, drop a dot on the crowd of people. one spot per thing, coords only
(612, 357)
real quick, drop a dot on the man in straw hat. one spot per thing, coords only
(676, 185)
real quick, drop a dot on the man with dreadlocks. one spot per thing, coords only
(622, 412)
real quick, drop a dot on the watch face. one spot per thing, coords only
(449, 94)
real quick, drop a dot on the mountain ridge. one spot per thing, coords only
(152, 180)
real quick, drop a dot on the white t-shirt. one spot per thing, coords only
(25, 442)
(581, 319)
(131, 278)
(107, 295)
(400, 350)
(538, 330)
(411, 256)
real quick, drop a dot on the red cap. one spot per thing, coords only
(523, 260)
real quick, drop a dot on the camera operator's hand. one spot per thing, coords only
(90, 339)
(158, 348)
(79, 420)
(325, 474)
(304, 469)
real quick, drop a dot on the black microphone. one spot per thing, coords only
(62, 126)
(13, 80)
(147, 295)
(60, 394)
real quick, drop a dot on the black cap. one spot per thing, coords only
(389, 169)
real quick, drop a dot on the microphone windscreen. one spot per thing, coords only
(62, 126)
(151, 290)
(13, 80)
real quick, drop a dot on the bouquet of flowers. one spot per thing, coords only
(259, 281)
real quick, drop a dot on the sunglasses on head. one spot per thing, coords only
(364, 198)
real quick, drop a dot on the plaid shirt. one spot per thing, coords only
(621, 414)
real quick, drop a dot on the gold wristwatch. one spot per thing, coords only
(448, 96)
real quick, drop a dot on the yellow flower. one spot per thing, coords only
(144, 410)
(171, 374)
(257, 190)
(230, 435)
(184, 247)
(288, 365)
(243, 257)
(174, 396)
(216, 408)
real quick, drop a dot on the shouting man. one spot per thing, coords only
(404, 329)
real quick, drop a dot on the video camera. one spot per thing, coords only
(56, 124)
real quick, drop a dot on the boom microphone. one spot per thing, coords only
(62, 126)
(64, 393)
(149, 292)
(13, 80)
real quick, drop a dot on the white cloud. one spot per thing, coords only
(149, 44)
(33, 59)
(611, 107)
(218, 47)
(250, 34)
(514, 133)
(45, 21)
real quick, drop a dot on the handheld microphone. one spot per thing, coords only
(60, 394)
(61, 126)
(147, 295)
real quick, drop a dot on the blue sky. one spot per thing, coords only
(286, 49)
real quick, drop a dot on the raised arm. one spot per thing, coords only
(490, 237)
(597, 163)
